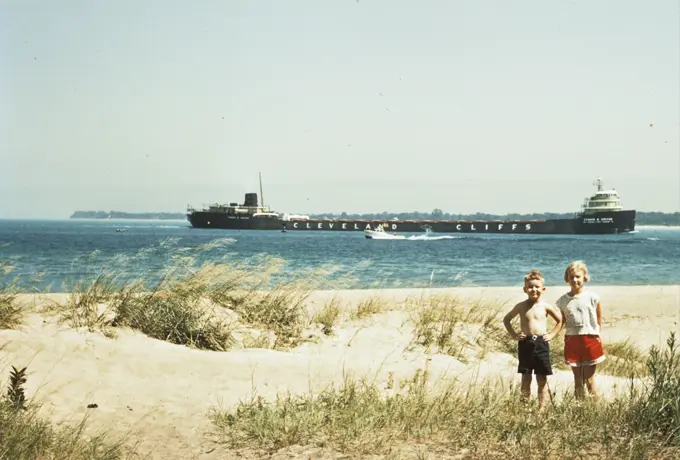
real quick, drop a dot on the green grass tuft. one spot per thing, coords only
(11, 313)
(371, 306)
(25, 435)
(328, 315)
(197, 306)
(484, 420)
(447, 324)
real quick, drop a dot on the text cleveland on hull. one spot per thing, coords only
(601, 213)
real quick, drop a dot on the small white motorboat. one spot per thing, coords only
(380, 234)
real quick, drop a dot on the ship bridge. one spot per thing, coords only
(602, 200)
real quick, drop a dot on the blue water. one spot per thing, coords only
(64, 251)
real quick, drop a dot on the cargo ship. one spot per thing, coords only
(601, 213)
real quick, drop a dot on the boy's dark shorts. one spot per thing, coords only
(534, 355)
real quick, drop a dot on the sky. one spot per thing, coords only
(341, 105)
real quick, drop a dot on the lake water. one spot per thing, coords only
(64, 250)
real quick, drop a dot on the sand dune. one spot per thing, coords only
(161, 393)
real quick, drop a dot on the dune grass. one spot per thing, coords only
(26, 435)
(332, 312)
(370, 306)
(329, 315)
(486, 420)
(11, 313)
(449, 325)
(623, 360)
(196, 305)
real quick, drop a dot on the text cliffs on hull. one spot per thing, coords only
(601, 213)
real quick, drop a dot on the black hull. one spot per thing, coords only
(597, 224)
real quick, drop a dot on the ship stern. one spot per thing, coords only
(605, 222)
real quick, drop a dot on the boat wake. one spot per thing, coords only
(431, 238)
(380, 234)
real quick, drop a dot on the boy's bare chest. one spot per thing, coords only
(534, 312)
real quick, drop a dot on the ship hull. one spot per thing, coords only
(599, 223)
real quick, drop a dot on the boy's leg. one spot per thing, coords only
(589, 380)
(578, 381)
(543, 369)
(542, 381)
(525, 351)
(526, 387)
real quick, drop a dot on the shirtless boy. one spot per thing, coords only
(533, 349)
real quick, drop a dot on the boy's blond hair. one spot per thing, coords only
(533, 275)
(576, 265)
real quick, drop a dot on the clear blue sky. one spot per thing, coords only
(489, 106)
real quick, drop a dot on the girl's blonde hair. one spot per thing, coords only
(576, 265)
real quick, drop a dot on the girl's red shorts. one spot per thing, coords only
(583, 350)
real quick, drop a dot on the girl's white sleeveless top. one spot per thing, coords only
(580, 313)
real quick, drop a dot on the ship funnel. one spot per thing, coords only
(251, 200)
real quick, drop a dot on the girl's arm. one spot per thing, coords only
(598, 312)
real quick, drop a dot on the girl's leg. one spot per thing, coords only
(589, 379)
(578, 381)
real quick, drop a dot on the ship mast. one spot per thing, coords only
(261, 194)
(598, 182)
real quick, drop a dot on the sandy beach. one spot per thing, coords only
(161, 394)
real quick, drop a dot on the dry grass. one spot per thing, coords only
(198, 306)
(11, 314)
(487, 420)
(371, 306)
(328, 316)
(332, 312)
(448, 325)
(25, 435)
(623, 360)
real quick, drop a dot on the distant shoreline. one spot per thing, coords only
(119, 215)
(123, 219)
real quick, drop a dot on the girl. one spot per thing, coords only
(582, 315)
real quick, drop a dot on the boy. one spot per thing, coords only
(532, 348)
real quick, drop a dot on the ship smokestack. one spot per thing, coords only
(251, 200)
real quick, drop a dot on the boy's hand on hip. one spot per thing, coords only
(520, 336)
(548, 337)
